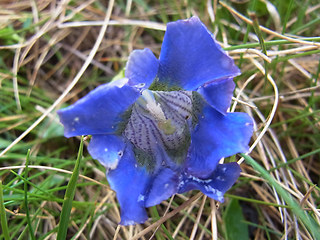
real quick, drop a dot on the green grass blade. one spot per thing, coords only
(31, 232)
(69, 195)
(306, 26)
(156, 215)
(256, 27)
(4, 223)
(309, 223)
(289, 9)
(280, 165)
(269, 43)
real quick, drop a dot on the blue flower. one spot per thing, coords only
(163, 128)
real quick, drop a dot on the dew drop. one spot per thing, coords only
(140, 198)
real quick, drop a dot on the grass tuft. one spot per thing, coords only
(53, 53)
(295, 207)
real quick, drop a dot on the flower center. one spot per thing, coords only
(159, 127)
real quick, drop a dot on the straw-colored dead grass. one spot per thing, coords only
(67, 44)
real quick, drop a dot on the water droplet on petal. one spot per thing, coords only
(140, 198)
(120, 153)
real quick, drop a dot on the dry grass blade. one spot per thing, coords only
(268, 31)
(72, 84)
(195, 226)
(169, 215)
(53, 169)
(119, 22)
(54, 52)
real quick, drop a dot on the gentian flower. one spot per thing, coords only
(163, 128)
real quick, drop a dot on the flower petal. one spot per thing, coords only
(108, 149)
(100, 111)
(165, 184)
(191, 57)
(218, 93)
(215, 185)
(217, 136)
(142, 67)
(130, 181)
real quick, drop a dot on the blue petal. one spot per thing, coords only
(100, 111)
(165, 184)
(218, 93)
(108, 149)
(191, 57)
(142, 67)
(215, 185)
(217, 136)
(130, 182)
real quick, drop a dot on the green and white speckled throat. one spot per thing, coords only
(160, 124)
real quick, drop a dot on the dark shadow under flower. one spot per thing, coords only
(163, 128)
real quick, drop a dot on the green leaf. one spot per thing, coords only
(235, 225)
